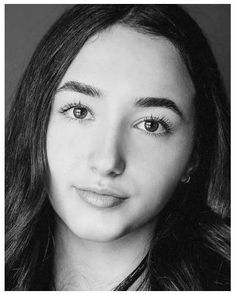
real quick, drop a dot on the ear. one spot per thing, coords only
(191, 167)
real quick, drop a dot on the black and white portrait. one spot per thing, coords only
(117, 150)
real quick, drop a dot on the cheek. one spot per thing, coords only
(160, 167)
(164, 156)
(157, 173)
(66, 148)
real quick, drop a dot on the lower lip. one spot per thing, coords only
(99, 201)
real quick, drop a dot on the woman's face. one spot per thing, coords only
(120, 134)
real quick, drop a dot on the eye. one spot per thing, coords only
(154, 126)
(80, 112)
(77, 112)
(151, 125)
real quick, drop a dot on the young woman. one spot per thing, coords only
(117, 157)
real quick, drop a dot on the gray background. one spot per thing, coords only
(25, 24)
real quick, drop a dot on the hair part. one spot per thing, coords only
(190, 250)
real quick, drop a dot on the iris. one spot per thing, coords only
(80, 113)
(151, 125)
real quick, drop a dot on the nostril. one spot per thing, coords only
(107, 165)
(118, 169)
(107, 156)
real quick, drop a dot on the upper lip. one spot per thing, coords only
(105, 191)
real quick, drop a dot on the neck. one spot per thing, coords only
(88, 265)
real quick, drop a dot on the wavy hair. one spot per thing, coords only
(190, 250)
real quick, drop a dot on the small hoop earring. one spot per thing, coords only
(187, 180)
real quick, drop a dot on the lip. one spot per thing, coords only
(100, 197)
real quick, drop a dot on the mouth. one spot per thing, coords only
(101, 198)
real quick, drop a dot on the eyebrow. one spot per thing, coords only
(149, 102)
(145, 102)
(81, 88)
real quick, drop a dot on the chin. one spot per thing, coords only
(104, 237)
(99, 233)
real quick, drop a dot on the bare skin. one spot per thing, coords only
(102, 136)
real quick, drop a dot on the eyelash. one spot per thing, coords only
(63, 110)
(163, 121)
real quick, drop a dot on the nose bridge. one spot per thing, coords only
(107, 155)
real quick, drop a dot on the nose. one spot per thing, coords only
(106, 157)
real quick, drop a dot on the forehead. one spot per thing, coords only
(132, 63)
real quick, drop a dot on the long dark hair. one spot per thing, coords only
(190, 250)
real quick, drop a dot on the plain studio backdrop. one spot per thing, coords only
(25, 25)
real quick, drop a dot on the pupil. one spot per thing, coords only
(151, 126)
(80, 113)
